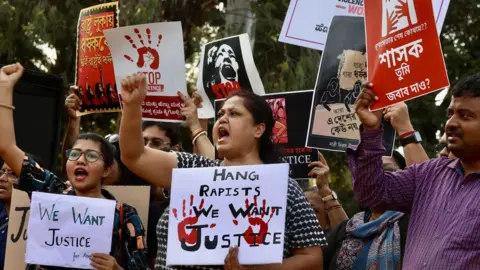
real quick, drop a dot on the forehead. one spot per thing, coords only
(465, 103)
(154, 132)
(87, 145)
(233, 102)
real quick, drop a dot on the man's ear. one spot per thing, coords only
(259, 130)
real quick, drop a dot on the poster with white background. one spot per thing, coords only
(64, 230)
(213, 209)
(156, 50)
(307, 21)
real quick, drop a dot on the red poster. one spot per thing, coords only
(95, 77)
(405, 59)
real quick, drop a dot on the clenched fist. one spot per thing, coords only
(370, 120)
(398, 115)
(134, 89)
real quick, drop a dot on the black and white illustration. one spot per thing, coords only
(226, 66)
(333, 123)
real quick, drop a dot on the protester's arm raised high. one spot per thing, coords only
(9, 152)
(72, 104)
(373, 186)
(154, 166)
(398, 115)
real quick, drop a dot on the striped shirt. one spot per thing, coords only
(444, 228)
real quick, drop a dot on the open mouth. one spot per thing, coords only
(228, 72)
(3, 189)
(80, 174)
(223, 134)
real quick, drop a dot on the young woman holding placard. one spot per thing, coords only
(242, 135)
(89, 162)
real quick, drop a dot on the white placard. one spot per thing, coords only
(226, 65)
(155, 49)
(64, 230)
(307, 21)
(216, 202)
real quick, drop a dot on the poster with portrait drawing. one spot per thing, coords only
(288, 132)
(226, 66)
(94, 75)
(333, 123)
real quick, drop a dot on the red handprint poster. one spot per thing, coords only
(221, 207)
(94, 69)
(156, 50)
(405, 59)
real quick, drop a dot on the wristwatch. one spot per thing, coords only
(332, 196)
(413, 138)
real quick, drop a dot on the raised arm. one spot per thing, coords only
(398, 115)
(154, 166)
(72, 104)
(9, 152)
(202, 145)
(373, 187)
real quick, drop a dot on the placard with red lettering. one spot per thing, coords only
(307, 22)
(156, 50)
(222, 207)
(226, 66)
(405, 59)
(288, 133)
(333, 125)
(94, 76)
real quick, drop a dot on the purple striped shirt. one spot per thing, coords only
(444, 229)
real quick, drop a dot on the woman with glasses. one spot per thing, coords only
(89, 162)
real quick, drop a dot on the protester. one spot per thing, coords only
(89, 161)
(374, 238)
(242, 136)
(324, 201)
(441, 194)
(442, 147)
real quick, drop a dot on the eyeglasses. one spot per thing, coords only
(439, 147)
(8, 173)
(90, 155)
(156, 143)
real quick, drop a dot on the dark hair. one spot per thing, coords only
(172, 131)
(261, 113)
(399, 159)
(106, 148)
(469, 86)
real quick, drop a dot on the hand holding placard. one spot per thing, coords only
(370, 120)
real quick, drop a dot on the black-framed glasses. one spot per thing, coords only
(90, 155)
(439, 147)
(156, 143)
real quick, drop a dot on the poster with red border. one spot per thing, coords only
(94, 74)
(405, 59)
(155, 49)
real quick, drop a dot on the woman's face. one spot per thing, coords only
(235, 132)
(86, 172)
(6, 180)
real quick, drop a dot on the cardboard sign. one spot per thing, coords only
(94, 74)
(404, 54)
(63, 230)
(226, 66)
(136, 196)
(307, 22)
(289, 134)
(334, 125)
(223, 207)
(156, 50)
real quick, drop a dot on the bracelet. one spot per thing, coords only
(406, 134)
(198, 135)
(7, 106)
(196, 132)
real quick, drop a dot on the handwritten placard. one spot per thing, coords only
(63, 230)
(213, 209)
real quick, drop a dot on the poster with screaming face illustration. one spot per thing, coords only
(226, 66)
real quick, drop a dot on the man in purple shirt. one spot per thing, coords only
(442, 195)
